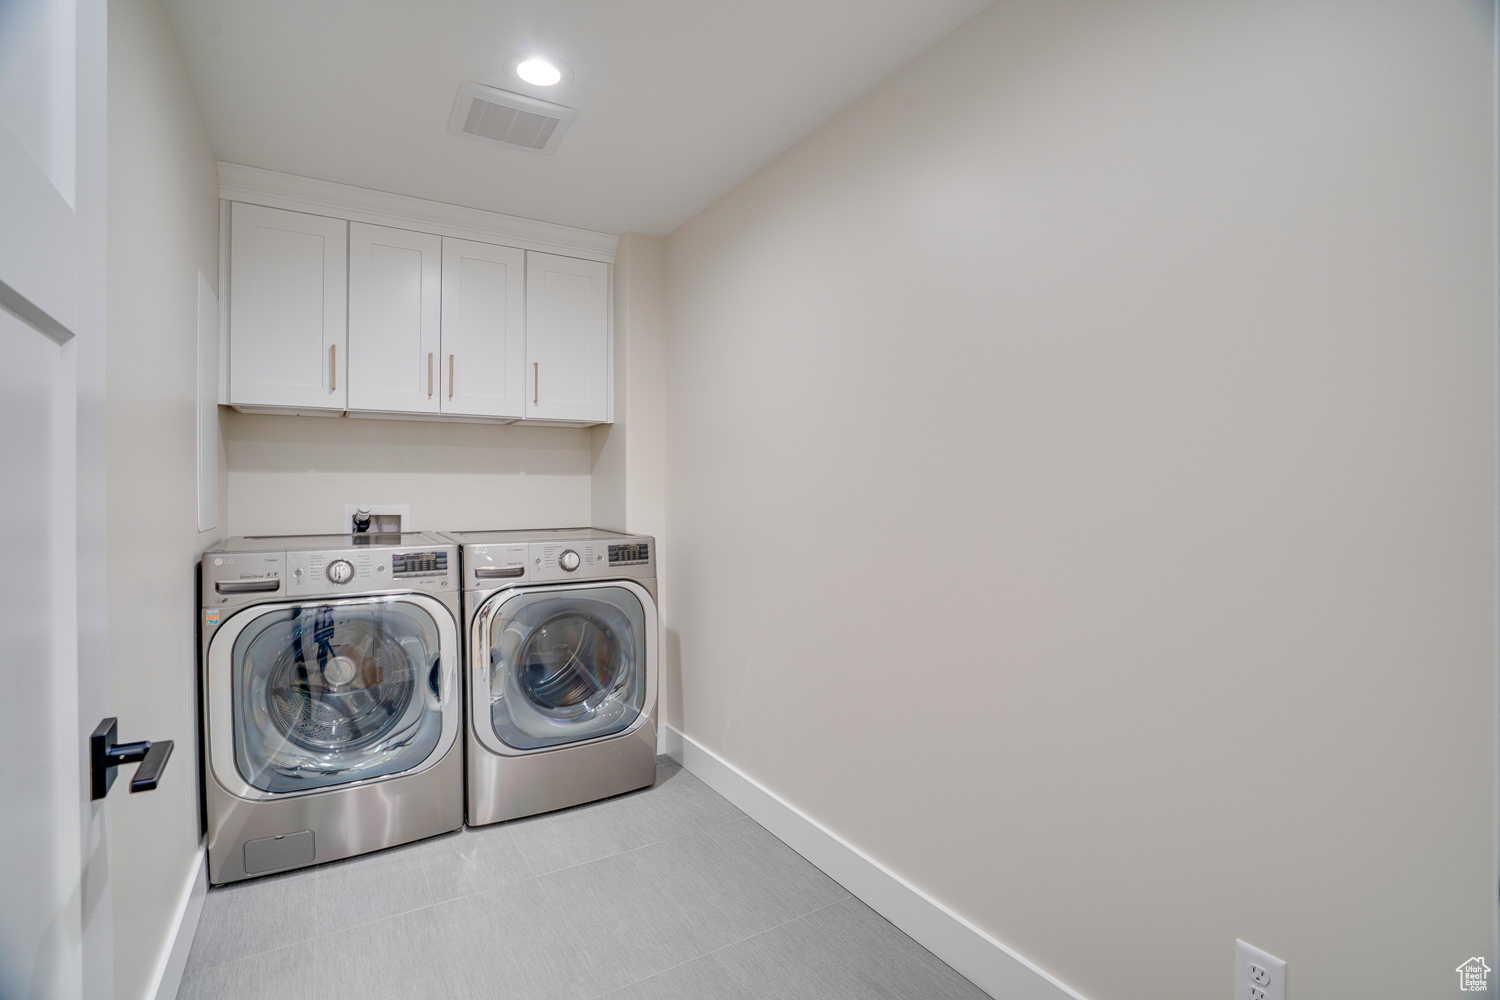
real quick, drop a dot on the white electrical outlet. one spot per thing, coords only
(1258, 975)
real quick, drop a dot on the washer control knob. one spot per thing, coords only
(340, 571)
(568, 560)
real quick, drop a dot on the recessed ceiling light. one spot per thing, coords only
(538, 72)
(529, 68)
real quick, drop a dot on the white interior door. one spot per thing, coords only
(40, 826)
(38, 136)
(484, 329)
(567, 338)
(55, 929)
(395, 293)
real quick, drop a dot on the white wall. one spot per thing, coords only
(294, 475)
(629, 456)
(163, 230)
(1081, 483)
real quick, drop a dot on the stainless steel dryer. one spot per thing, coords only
(561, 658)
(331, 703)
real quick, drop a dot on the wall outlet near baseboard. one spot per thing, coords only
(385, 518)
(1258, 975)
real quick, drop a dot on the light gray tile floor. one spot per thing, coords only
(669, 892)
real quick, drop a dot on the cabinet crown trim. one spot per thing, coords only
(274, 189)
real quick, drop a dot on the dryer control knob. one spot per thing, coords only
(340, 571)
(568, 560)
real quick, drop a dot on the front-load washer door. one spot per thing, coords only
(565, 664)
(326, 693)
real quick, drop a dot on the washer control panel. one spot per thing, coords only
(409, 564)
(234, 577)
(314, 574)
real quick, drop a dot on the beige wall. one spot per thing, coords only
(607, 442)
(630, 454)
(163, 230)
(628, 477)
(293, 475)
(1081, 481)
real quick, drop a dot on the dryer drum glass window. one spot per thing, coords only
(566, 667)
(325, 694)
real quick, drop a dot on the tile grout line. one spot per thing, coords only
(517, 845)
(321, 872)
(642, 847)
(533, 876)
(232, 889)
(715, 951)
(319, 876)
(509, 824)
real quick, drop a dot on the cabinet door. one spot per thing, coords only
(395, 291)
(484, 321)
(567, 338)
(288, 287)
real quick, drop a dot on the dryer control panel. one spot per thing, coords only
(503, 564)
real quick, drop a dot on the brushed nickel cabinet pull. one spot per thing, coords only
(450, 376)
(429, 374)
(536, 381)
(333, 367)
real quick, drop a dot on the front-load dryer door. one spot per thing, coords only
(558, 665)
(311, 694)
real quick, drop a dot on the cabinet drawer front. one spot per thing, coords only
(288, 285)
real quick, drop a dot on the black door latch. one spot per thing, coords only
(105, 754)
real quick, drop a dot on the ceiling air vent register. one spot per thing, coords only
(508, 119)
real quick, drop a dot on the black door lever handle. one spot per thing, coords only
(149, 773)
(105, 754)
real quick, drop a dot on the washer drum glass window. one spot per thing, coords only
(566, 667)
(329, 694)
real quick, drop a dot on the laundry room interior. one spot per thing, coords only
(825, 499)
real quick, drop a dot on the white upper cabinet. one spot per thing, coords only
(395, 312)
(288, 288)
(567, 339)
(483, 360)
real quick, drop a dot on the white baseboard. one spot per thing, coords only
(984, 961)
(173, 961)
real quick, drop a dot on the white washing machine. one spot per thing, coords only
(331, 706)
(560, 656)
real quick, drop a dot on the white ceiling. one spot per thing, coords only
(678, 100)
